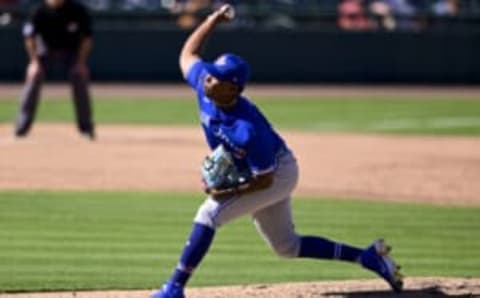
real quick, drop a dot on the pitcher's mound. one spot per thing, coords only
(414, 287)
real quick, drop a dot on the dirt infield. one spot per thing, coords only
(418, 287)
(440, 170)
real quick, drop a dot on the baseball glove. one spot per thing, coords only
(219, 171)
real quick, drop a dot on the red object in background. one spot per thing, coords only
(352, 16)
(9, 2)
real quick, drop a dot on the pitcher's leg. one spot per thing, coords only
(211, 215)
(193, 252)
(276, 226)
(215, 214)
(29, 101)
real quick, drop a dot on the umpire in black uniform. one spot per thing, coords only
(58, 32)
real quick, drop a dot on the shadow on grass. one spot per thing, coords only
(420, 293)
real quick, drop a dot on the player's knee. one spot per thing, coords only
(288, 248)
(206, 214)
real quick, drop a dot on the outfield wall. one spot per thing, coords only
(306, 56)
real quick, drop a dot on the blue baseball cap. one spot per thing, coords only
(230, 68)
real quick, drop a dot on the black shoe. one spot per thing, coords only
(90, 135)
(21, 133)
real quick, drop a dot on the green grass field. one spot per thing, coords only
(103, 240)
(443, 116)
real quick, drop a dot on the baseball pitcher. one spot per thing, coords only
(251, 171)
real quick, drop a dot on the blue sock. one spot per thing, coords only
(320, 248)
(197, 246)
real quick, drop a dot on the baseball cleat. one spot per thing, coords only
(169, 290)
(376, 258)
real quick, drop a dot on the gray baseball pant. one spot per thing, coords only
(269, 208)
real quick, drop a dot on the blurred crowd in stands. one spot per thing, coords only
(358, 15)
(349, 15)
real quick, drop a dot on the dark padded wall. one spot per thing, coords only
(276, 56)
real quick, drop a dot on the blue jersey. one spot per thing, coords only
(243, 130)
